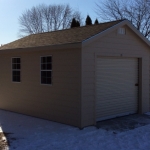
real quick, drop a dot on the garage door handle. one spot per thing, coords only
(136, 84)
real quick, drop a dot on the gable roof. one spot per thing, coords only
(115, 27)
(73, 35)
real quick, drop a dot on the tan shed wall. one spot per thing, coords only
(57, 102)
(112, 45)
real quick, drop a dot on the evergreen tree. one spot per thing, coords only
(88, 20)
(96, 21)
(77, 23)
(73, 23)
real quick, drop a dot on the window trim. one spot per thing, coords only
(15, 70)
(45, 70)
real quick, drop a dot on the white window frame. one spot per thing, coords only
(45, 70)
(15, 70)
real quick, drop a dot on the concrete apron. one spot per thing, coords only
(122, 124)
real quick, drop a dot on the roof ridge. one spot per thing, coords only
(85, 26)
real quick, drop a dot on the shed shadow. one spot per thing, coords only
(122, 124)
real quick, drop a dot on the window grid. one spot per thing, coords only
(16, 67)
(46, 70)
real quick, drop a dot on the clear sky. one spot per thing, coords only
(10, 10)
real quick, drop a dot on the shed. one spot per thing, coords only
(77, 76)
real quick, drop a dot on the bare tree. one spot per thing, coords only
(45, 18)
(31, 21)
(136, 11)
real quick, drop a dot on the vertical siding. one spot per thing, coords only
(111, 45)
(58, 102)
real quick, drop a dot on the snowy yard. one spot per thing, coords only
(28, 133)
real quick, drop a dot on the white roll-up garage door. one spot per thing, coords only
(116, 87)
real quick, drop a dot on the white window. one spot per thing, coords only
(46, 70)
(16, 68)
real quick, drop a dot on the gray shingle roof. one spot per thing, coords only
(72, 35)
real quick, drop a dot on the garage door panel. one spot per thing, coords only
(126, 108)
(117, 100)
(119, 110)
(115, 96)
(116, 92)
(117, 105)
(124, 105)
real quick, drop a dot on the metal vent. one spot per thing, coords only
(121, 31)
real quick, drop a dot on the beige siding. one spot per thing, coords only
(58, 102)
(112, 45)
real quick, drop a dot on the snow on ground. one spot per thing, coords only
(29, 133)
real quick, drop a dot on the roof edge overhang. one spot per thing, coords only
(111, 29)
(76, 45)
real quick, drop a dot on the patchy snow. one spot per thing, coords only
(28, 133)
(148, 113)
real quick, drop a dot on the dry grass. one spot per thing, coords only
(4, 144)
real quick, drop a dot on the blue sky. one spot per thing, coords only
(10, 10)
